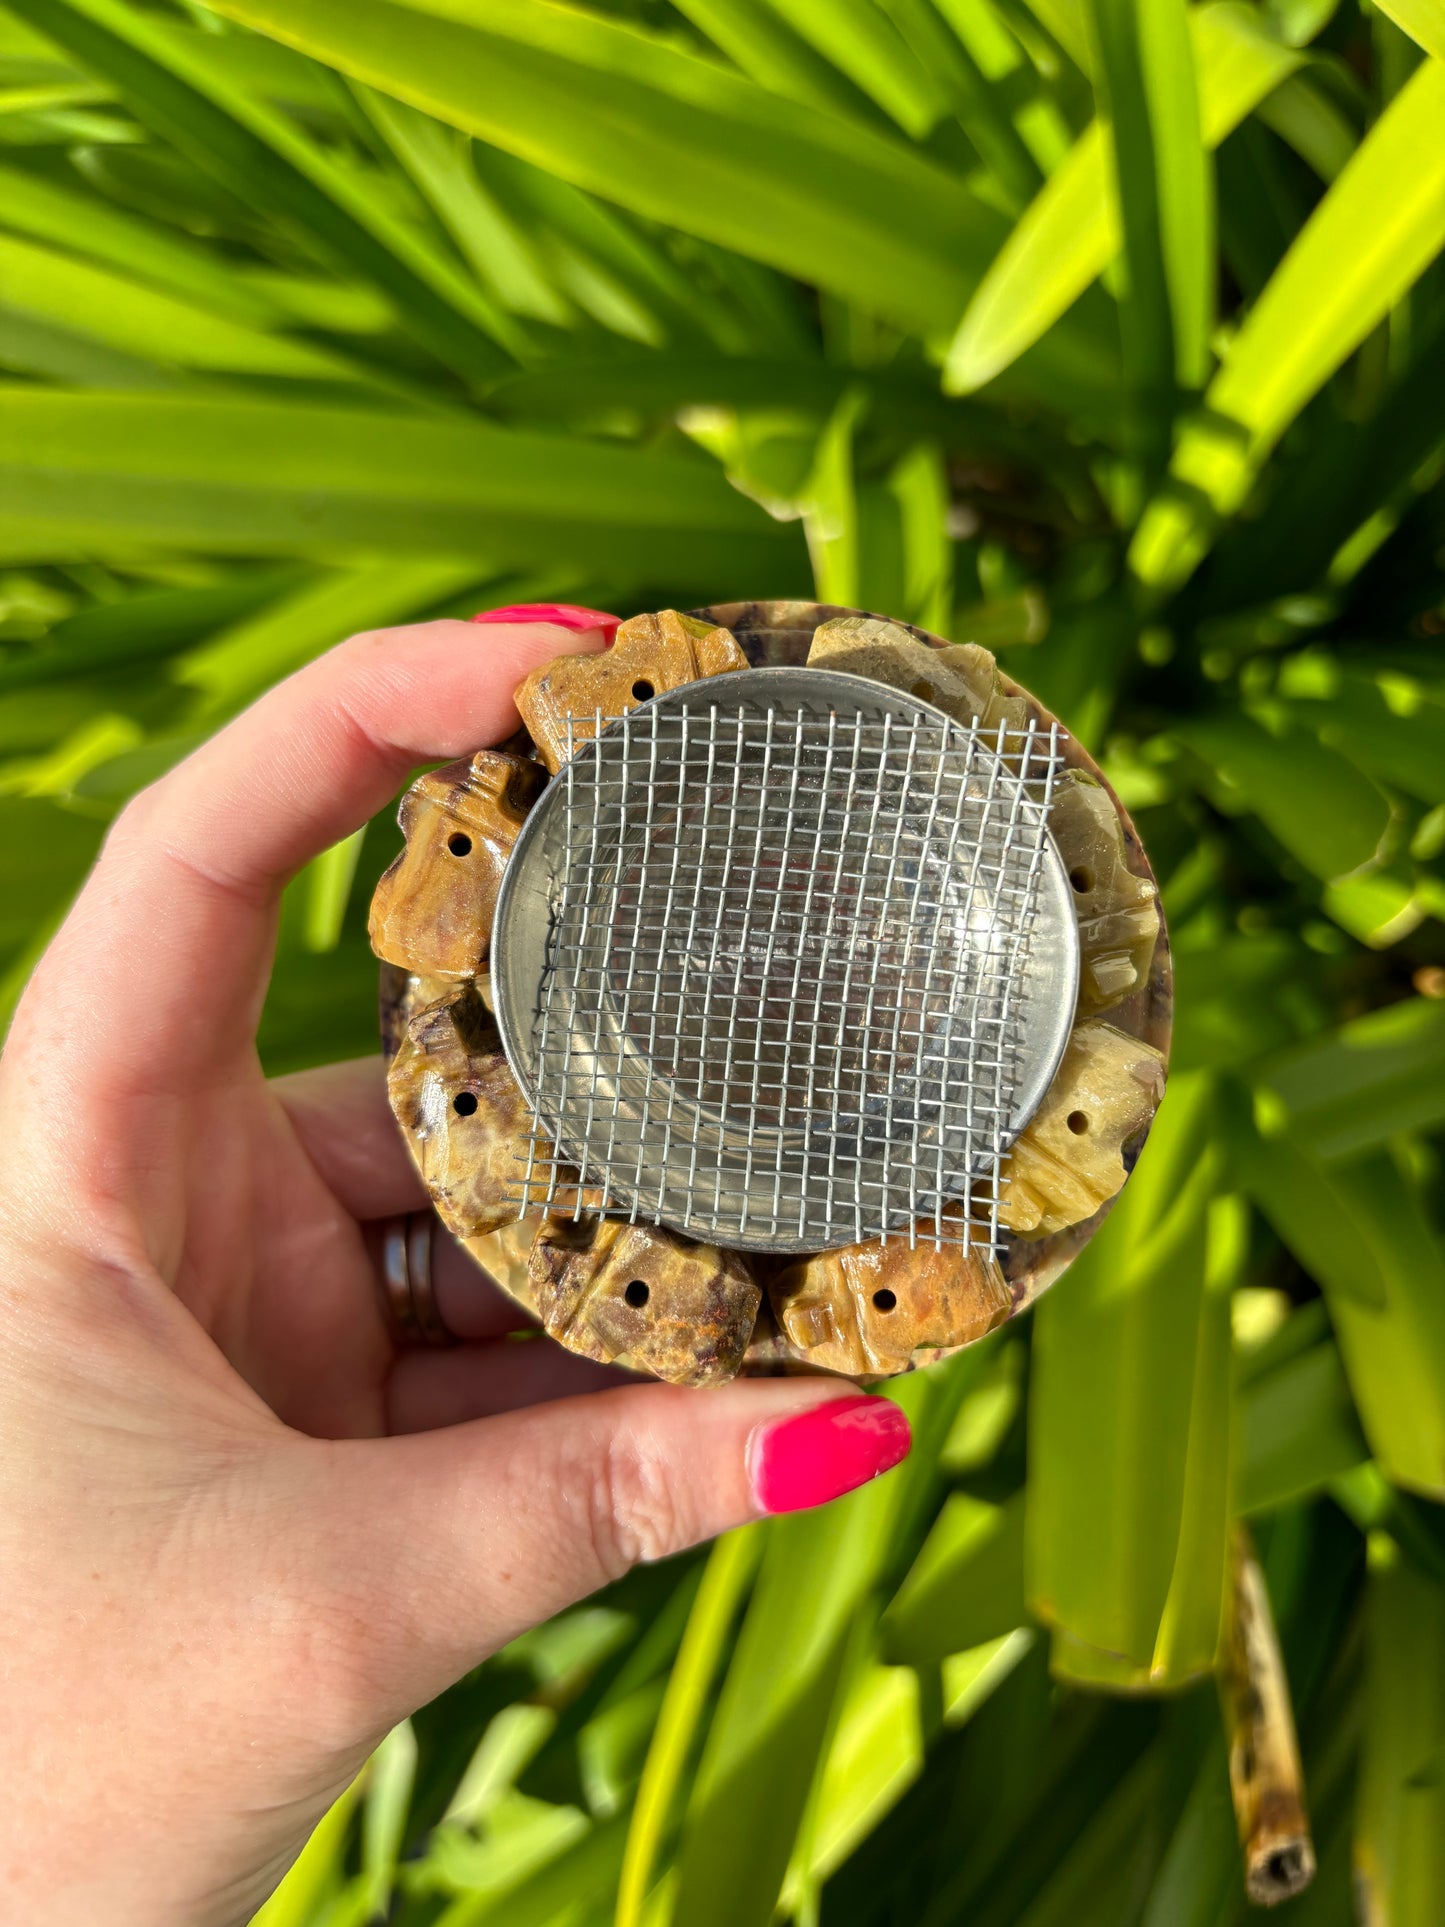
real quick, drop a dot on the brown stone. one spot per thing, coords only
(1118, 911)
(864, 1311)
(649, 654)
(465, 1120)
(961, 679)
(639, 1295)
(1070, 1159)
(432, 911)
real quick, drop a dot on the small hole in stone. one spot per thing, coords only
(884, 1299)
(464, 1103)
(642, 689)
(637, 1294)
(1077, 1122)
(459, 845)
(1283, 1866)
(924, 691)
(1082, 880)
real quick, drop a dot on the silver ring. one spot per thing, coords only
(408, 1293)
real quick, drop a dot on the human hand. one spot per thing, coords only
(223, 1581)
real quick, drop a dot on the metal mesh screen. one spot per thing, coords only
(784, 1001)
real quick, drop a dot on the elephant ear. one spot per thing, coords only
(432, 910)
(649, 654)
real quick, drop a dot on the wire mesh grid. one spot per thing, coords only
(784, 1001)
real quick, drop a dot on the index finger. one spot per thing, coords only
(157, 976)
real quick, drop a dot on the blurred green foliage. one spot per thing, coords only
(1106, 332)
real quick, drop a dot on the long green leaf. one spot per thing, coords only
(674, 137)
(91, 300)
(965, 1587)
(875, 1755)
(82, 222)
(1423, 20)
(769, 52)
(1406, 750)
(980, 109)
(1297, 1425)
(778, 1703)
(1375, 232)
(1325, 811)
(1356, 1089)
(858, 39)
(1360, 1229)
(263, 478)
(438, 160)
(1400, 1831)
(1127, 1352)
(1132, 64)
(1394, 1351)
(1183, 186)
(1072, 231)
(180, 84)
(724, 1584)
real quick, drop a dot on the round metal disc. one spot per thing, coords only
(784, 959)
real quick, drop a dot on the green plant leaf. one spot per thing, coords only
(1401, 1817)
(1300, 113)
(876, 1754)
(725, 1581)
(1355, 1089)
(263, 478)
(1360, 1229)
(777, 1706)
(1394, 1351)
(859, 40)
(1324, 810)
(674, 137)
(86, 299)
(390, 1777)
(1072, 231)
(1381, 224)
(50, 211)
(965, 1587)
(768, 51)
(1423, 20)
(1066, 22)
(180, 83)
(1406, 751)
(1145, 79)
(438, 160)
(1126, 1354)
(1183, 183)
(1297, 1425)
(981, 109)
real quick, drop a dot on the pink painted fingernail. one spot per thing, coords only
(566, 615)
(822, 1454)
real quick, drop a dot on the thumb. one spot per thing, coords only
(472, 1534)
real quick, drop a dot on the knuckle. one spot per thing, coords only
(638, 1512)
(133, 825)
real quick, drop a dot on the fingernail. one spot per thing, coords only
(822, 1454)
(566, 615)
